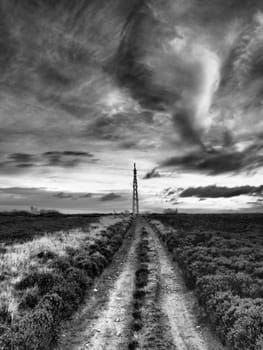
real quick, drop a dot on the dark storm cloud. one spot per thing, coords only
(110, 197)
(219, 192)
(77, 154)
(67, 158)
(216, 162)
(159, 85)
(55, 50)
(13, 162)
(71, 55)
(152, 174)
(21, 157)
(25, 165)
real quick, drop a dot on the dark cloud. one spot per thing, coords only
(110, 197)
(24, 198)
(133, 75)
(63, 195)
(22, 190)
(216, 162)
(221, 192)
(70, 59)
(51, 50)
(86, 195)
(77, 154)
(72, 54)
(128, 145)
(25, 161)
(40, 191)
(70, 195)
(67, 158)
(152, 174)
(161, 83)
(21, 158)
(112, 128)
(25, 165)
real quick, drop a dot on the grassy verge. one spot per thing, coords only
(47, 296)
(148, 329)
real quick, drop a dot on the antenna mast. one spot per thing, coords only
(135, 199)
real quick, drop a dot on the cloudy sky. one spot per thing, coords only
(87, 87)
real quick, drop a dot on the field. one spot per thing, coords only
(182, 282)
(221, 258)
(45, 274)
(24, 227)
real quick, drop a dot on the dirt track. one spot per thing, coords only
(104, 322)
(178, 304)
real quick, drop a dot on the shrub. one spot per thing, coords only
(38, 328)
(139, 294)
(29, 299)
(27, 282)
(44, 280)
(71, 296)
(137, 305)
(61, 263)
(258, 272)
(247, 327)
(86, 263)
(55, 295)
(141, 277)
(99, 259)
(46, 255)
(137, 325)
(137, 315)
(223, 263)
(79, 277)
(4, 315)
(133, 345)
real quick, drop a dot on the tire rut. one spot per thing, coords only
(104, 321)
(110, 330)
(169, 321)
(177, 304)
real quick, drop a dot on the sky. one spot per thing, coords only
(88, 87)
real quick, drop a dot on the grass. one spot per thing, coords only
(21, 227)
(40, 257)
(54, 290)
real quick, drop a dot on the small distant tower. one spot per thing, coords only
(135, 200)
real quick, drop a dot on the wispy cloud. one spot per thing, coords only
(221, 192)
(219, 161)
(24, 161)
(110, 197)
(154, 173)
(75, 196)
(172, 85)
